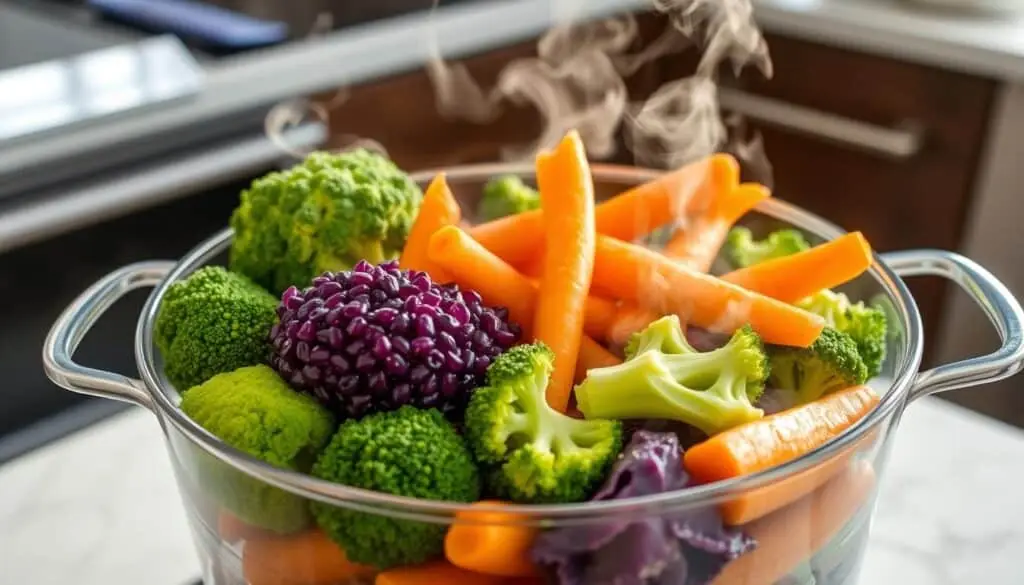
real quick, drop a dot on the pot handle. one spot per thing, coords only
(79, 317)
(1002, 309)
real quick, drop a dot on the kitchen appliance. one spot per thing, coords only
(199, 458)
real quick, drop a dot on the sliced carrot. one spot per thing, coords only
(628, 216)
(308, 558)
(803, 274)
(490, 543)
(437, 573)
(793, 534)
(593, 355)
(647, 278)
(232, 528)
(774, 440)
(567, 202)
(438, 209)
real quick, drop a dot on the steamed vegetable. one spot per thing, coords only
(491, 543)
(686, 547)
(665, 378)
(307, 558)
(633, 273)
(405, 452)
(537, 454)
(506, 195)
(324, 214)
(567, 197)
(442, 573)
(799, 376)
(254, 411)
(212, 322)
(744, 250)
(866, 325)
(439, 209)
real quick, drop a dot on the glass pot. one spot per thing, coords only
(818, 538)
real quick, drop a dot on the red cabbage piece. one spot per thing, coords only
(688, 547)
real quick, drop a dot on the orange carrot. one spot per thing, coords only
(791, 535)
(593, 355)
(774, 440)
(437, 573)
(628, 216)
(308, 558)
(438, 209)
(634, 273)
(232, 528)
(792, 278)
(567, 201)
(474, 267)
(490, 543)
(696, 245)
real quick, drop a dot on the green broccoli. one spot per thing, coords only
(255, 411)
(803, 375)
(325, 214)
(538, 455)
(743, 250)
(665, 378)
(405, 452)
(213, 322)
(866, 325)
(507, 195)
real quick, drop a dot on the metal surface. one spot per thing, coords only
(893, 143)
(994, 299)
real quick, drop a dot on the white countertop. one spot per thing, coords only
(101, 507)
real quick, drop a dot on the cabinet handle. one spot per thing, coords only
(896, 143)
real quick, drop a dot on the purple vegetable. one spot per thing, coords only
(681, 548)
(376, 338)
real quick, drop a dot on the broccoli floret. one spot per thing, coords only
(665, 378)
(538, 455)
(255, 411)
(743, 250)
(213, 322)
(803, 375)
(866, 325)
(324, 214)
(405, 452)
(507, 195)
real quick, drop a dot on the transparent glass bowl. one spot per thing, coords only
(817, 538)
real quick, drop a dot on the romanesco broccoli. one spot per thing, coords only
(538, 454)
(866, 325)
(743, 250)
(255, 411)
(213, 322)
(324, 214)
(507, 195)
(405, 452)
(664, 377)
(803, 375)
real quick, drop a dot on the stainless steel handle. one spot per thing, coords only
(895, 143)
(76, 320)
(1002, 309)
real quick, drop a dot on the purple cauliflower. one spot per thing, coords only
(688, 547)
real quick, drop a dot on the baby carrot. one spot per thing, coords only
(567, 202)
(627, 216)
(803, 274)
(634, 273)
(593, 355)
(490, 543)
(308, 558)
(791, 535)
(437, 210)
(437, 573)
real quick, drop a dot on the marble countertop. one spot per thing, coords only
(101, 507)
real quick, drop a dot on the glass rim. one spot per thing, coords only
(307, 486)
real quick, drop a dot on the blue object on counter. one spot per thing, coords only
(188, 18)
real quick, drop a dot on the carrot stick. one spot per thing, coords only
(696, 245)
(490, 543)
(791, 535)
(567, 202)
(232, 528)
(308, 558)
(474, 267)
(777, 439)
(628, 216)
(438, 209)
(437, 573)
(593, 355)
(803, 274)
(634, 273)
